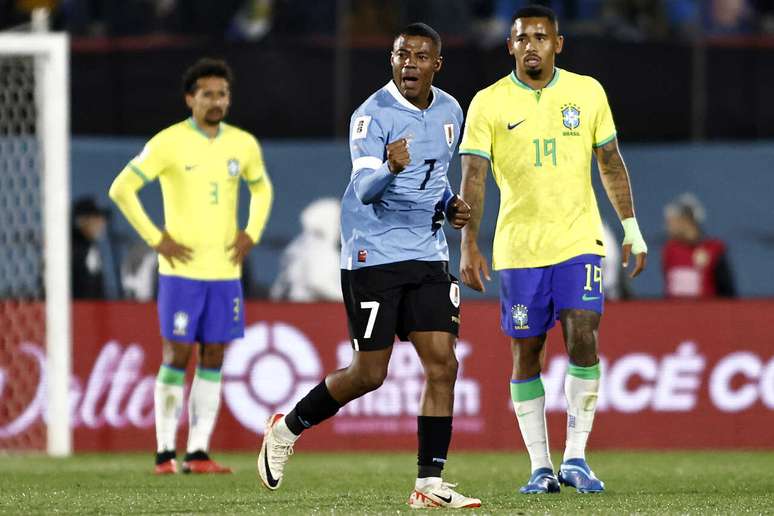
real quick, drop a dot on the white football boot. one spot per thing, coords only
(441, 495)
(273, 456)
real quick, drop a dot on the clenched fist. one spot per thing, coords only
(398, 156)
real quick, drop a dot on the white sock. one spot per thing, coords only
(529, 403)
(168, 405)
(531, 415)
(424, 483)
(581, 396)
(203, 408)
(282, 431)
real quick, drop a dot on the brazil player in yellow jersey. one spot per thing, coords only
(538, 128)
(199, 163)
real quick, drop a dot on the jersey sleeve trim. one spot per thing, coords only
(365, 162)
(139, 172)
(605, 141)
(476, 153)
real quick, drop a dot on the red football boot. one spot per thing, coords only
(166, 468)
(199, 462)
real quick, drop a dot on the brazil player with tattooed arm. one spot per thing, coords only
(394, 263)
(199, 163)
(537, 128)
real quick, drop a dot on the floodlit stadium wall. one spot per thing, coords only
(675, 375)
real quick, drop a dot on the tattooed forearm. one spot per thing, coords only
(615, 178)
(472, 189)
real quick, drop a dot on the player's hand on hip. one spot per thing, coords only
(240, 247)
(172, 250)
(398, 156)
(472, 264)
(458, 212)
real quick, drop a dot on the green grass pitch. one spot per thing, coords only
(709, 482)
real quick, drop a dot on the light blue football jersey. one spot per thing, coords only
(387, 218)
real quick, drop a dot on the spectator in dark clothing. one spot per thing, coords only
(89, 224)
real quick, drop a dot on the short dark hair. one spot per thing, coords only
(536, 11)
(206, 67)
(421, 29)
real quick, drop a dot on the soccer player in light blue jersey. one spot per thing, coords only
(394, 260)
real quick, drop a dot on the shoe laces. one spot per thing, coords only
(447, 487)
(280, 451)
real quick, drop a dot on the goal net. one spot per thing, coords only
(35, 337)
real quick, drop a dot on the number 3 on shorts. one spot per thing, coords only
(374, 307)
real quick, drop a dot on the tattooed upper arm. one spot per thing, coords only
(606, 153)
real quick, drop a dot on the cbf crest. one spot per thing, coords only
(180, 322)
(571, 116)
(233, 167)
(520, 318)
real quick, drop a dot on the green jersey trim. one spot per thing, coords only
(476, 153)
(139, 172)
(527, 87)
(605, 141)
(195, 126)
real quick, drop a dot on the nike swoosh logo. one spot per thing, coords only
(525, 413)
(190, 167)
(587, 297)
(446, 500)
(269, 479)
(512, 126)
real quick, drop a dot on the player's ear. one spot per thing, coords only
(509, 46)
(189, 99)
(438, 64)
(559, 44)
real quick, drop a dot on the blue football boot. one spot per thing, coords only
(542, 481)
(576, 473)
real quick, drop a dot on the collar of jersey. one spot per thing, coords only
(198, 129)
(530, 88)
(403, 101)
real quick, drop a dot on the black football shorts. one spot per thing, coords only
(398, 298)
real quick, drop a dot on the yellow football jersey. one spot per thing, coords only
(540, 144)
(199, 179)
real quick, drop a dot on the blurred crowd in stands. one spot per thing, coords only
(485, 21)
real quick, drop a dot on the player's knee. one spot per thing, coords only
(526, 355)
(369, 379)
(442, 372)
(176, 355)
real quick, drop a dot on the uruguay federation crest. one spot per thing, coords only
(233, 167)
(448, 131)
(571, 116)
(520, 318)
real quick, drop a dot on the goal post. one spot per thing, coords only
(48, 56)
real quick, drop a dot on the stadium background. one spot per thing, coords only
(691, 96)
